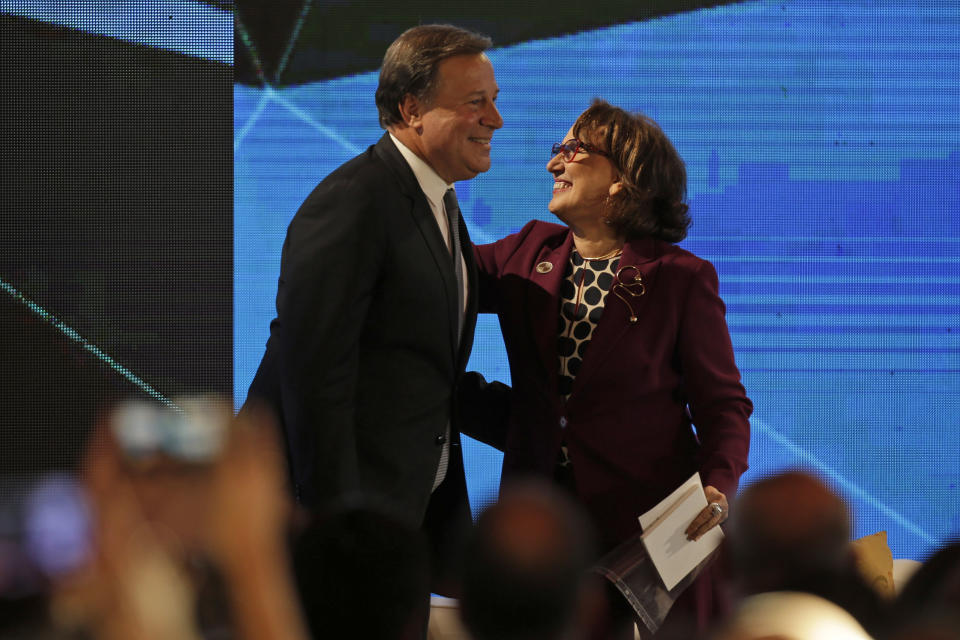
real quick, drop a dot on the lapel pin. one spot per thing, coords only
(544, 267)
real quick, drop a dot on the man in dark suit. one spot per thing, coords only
(376, 302)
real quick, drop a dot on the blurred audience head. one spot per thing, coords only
(359, 567)
(927, 626)
(525, 567)
(928, 606)
(790, 532)
(785, 528)
(790, 615)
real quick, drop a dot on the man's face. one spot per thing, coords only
(456, 125)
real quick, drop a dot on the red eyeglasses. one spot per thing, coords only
(568, 150)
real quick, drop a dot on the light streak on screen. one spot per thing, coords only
(822, 142)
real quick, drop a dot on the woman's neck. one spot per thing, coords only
(598, 243)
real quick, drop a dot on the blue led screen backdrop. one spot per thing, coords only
(116, 265)
(822, 142)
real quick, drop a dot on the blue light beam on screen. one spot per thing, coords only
(85, 344)
(822, 144)
(251, 120)
(305, 117)
(832, 475)
(192, 28)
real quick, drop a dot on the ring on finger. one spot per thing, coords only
(716, 510)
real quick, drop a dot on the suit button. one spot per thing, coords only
(563, 422)
(440, 439)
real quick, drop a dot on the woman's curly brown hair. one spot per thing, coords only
(653, 175)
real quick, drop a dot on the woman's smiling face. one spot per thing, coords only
(581, 185)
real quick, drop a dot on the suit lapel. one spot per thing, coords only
(543, 303)
(427, 224)
(620, 303)
(473, 302)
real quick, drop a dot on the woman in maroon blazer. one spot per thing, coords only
(616, 338)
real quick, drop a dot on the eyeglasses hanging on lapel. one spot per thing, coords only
(627, 287)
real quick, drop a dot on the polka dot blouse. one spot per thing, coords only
(585, 285)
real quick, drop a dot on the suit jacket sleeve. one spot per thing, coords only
(327, 277)
(484, 407)
(718, 402)
(487, 276)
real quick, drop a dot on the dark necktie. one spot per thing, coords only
(452, 210)
(453, 220)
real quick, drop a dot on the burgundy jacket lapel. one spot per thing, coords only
(627, 297)
(543, 303)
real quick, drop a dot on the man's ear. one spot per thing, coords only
(615, 188)
(411, 110)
